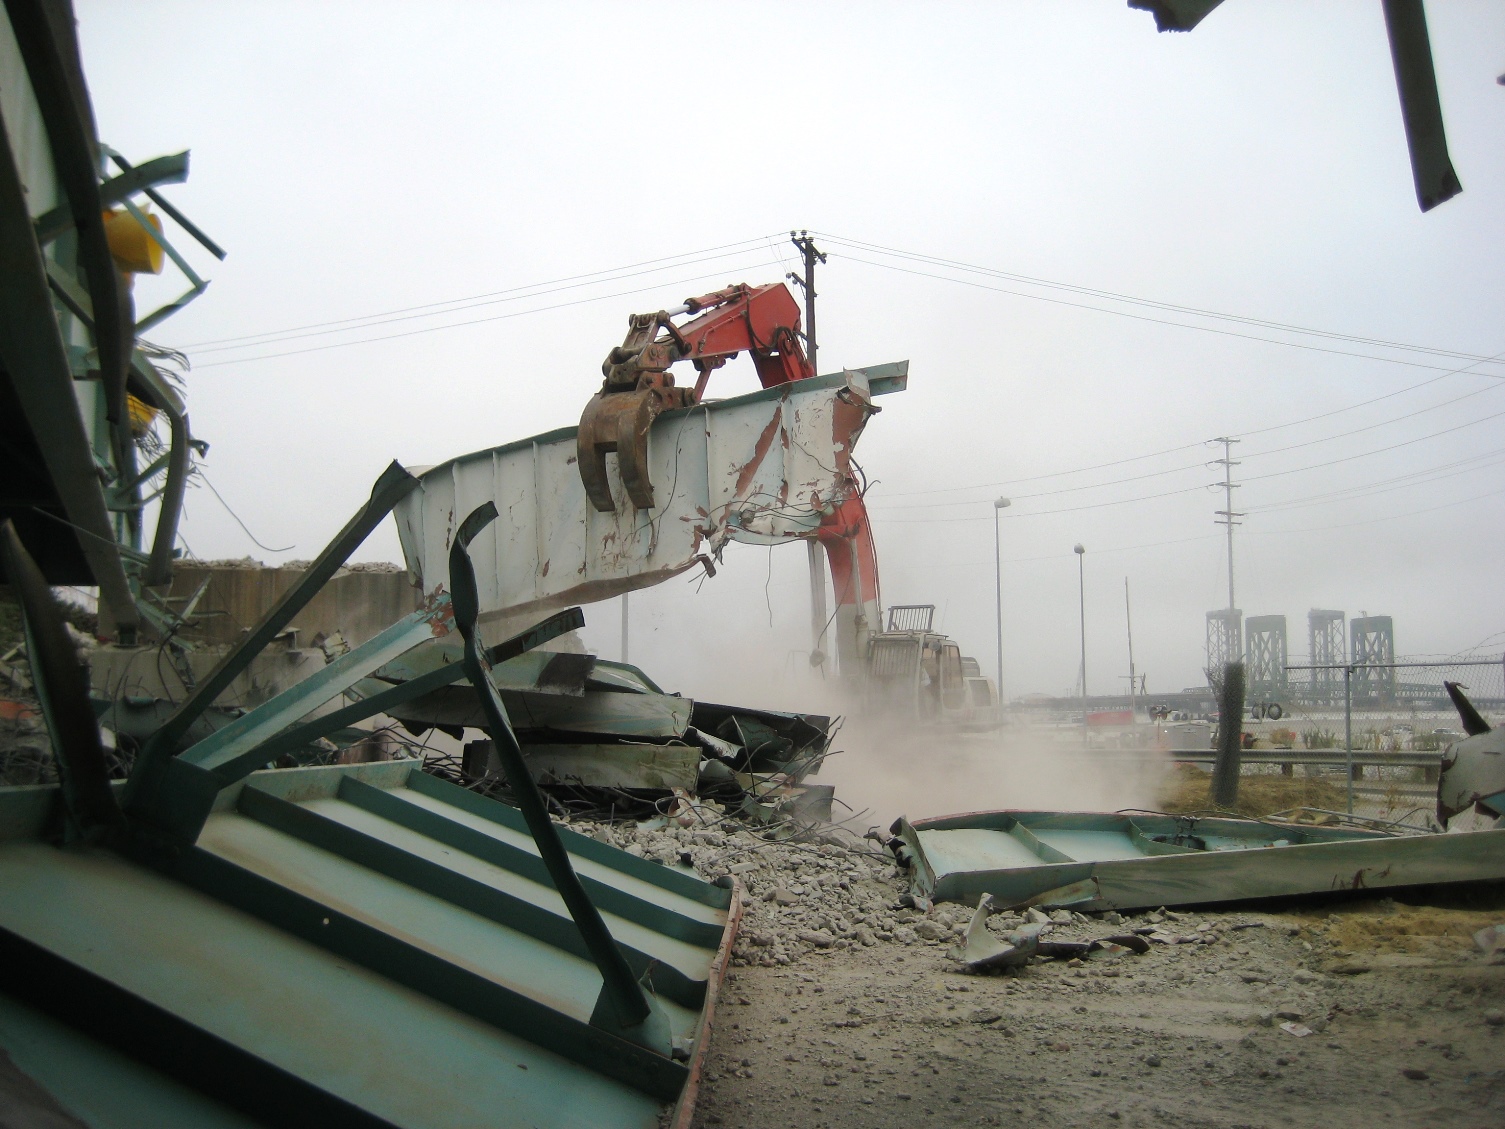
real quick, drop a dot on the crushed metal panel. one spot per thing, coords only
(1473, 770)
(1473, 775)
(1147, 860)
(600, 713)
(656, 767)
(360, 942)
(626, 764)
(761, 468)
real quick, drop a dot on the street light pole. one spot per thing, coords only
(999, 505)
(1081, 578)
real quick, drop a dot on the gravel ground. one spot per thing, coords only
(843, 1009)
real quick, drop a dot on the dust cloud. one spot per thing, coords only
(893, 769)
(885, 765)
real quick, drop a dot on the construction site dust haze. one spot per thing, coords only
(883, 763)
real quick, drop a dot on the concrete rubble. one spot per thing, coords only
(847, 1008)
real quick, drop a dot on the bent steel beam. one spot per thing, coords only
(161, 170)
(301, 735)
(32, 352)
(46, 37)
(148, 794)
(62, 689)
(629, 1011)
(1420, 106)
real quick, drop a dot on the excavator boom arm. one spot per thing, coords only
(762, 320)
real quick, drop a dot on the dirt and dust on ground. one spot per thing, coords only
(844, 1009)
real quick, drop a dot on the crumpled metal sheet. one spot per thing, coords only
(982, 951)
(1148, 859)
(1473, 773)
(762, 468)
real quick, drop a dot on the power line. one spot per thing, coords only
(1131, 299)
(1157, 321)
(1382, 423)
(1191, 446)
(1384, 486)
(1383, 517)
(1041, 493)
(1377, 450)
(1063, 510)
(1198, 466)
(456, 325)
(471, 306)
(670, 260)
(1188, 490)
(1056, 556)
(1041, 477)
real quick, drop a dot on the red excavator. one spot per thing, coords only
(763, 321)
(908, 668)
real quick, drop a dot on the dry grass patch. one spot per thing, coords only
(1189, 788)
(1388, 926)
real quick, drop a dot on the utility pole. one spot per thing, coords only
(807, 248)
(806, 245)
(1129, 623)
(1081, 579)
(1227, 517)
(999, 505)
(625, 659)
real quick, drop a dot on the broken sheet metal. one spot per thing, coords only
(982, 950)
(347, 945)
(1091, 861)
(762, 468)
(589, 724)
(1473, 770)
(626, 765)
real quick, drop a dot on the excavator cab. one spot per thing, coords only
(918, 672)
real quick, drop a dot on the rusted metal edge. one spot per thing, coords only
(684, 1109)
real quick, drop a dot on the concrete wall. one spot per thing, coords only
(356, 602)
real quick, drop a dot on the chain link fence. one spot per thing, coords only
(1376, 731)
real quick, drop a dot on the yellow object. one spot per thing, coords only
(134, 249)
(141, 414)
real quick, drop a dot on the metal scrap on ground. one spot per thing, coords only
(1092, 861)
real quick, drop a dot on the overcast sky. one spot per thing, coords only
(361, 159)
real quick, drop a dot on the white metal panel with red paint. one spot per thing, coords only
(764, 468)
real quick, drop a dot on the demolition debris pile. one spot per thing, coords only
(826, 890)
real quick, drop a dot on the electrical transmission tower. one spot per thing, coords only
(1225, 641)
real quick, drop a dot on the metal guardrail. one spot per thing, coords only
(1336, 757)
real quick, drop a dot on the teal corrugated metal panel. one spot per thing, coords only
(23, 125)
(100, 1086)
(354, 1034)
(363, 938)
(1131, 861)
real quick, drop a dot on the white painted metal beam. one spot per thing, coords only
(761, 468)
